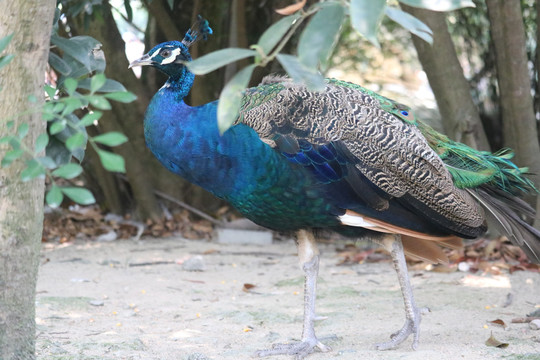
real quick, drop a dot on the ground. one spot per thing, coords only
(130, 299)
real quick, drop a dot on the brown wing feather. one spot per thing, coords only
(392, 154)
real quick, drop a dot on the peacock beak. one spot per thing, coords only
(144, 60)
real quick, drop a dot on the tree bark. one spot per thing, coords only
(21, 203)
(461, 120)
(517, 109)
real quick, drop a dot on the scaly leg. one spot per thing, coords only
(309, 259)
(412, 313)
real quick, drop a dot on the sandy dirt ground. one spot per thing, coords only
(134, 300)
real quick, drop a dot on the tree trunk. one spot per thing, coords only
(459, 114)
(519, 123)
(21, 203)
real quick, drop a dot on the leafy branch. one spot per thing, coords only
(81, 88)
(58, 111)
(315, 45)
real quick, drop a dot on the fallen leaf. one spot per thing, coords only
(291, 9)
(247, 287)
(495, 343)
(498, 322)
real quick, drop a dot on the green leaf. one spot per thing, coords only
(58, 106)
(320, 36)
(47, 161)
(5, 139)
(90, 118)
(50, 91)
(410, 23)
(171, 4)
(75, 141)
(4, 60)
(111, 161)
(439, 5)
(79, 48)
(366, 17)
(11, 156)
(217, 59)
(112, 138)
(271, 37)
(109, 86)
(99, 101)
(79, 195)
(22, 130)
(68, 171)
(97, 82)
(70, 85)
(231, 98)
(57, 126)
(123, 96)
(4, 41)
(71, 104)
(54, 197)
(33, 170)
(301, 74)
(41, 142)
(47, 116)
(59, 64)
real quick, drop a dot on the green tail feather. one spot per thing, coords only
(471, 168)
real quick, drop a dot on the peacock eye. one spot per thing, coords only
(165, 53)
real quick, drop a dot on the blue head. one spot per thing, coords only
(170, 57)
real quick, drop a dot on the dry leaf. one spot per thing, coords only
(247, 287)
(495, 343)
(291, 9)
(498, 322)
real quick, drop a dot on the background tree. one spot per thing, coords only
(21, 203)
(516, 103)
(460, 117)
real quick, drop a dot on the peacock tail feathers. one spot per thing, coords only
(471, 168)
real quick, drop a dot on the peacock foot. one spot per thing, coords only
(411, 326)
(299, 349)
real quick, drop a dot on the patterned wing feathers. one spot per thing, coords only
(391, 153)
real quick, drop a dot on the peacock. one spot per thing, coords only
(346, 160)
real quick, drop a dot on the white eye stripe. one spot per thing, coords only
(171, 57)
(156, 52)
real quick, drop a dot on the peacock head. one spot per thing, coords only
(170, 57)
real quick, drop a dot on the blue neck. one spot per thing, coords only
(180, 84)
(186, 140)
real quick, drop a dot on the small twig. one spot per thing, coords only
(189, 207)
(194, 281)
(526, 319)
(151, 263)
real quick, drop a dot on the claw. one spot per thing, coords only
(299, 349)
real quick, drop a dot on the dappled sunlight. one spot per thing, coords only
(499, 281)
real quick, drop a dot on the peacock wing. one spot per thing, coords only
(383, 147)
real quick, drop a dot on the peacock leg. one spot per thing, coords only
(309, 258)
(412, 313)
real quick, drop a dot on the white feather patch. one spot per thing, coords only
(356, 221)
(172, 57)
